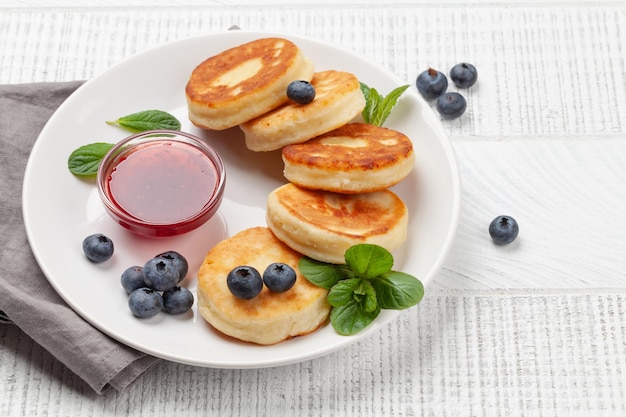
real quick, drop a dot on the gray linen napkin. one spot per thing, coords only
(26, 297)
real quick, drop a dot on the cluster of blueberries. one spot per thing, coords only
(246, 282)
(153, 287)
(433, 84)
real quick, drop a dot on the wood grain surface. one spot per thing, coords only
(535, 328)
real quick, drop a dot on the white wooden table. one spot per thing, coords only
(535, 328)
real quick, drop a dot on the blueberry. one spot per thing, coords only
(451, 105)
(431, 84)
(97, 247)
(463, 75)
(179, 261)
(244, 282)
(132, 279)
(161, 274)
(503, 230)
(301, 92)
(178, 300)
(145, 302)
(279, 277)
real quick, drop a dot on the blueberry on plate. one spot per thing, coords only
(98, 247)
(301, 92)
(464, 75)
(132, 279)
(244, 282)
(179, 262)
(279, 277)
(178, 300)
(503, 230)
(161, 273)
(145, 302)
(431, 84)
(451, 105)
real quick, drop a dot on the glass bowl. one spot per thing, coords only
(161, 183)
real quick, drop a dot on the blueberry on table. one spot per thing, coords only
(132, 279)
(463, 75)
(301, 92)
(161, 273)
(178, 300)
(431, 84)
(179, 262)
(145, 302)
(503, 230)
(98, 247)
(279, 277)
(451, 105)
(244, 282)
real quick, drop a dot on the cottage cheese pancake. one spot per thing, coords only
(323, 225)
(270, 317)
(338, 99)
(244, 82)
(355, 158)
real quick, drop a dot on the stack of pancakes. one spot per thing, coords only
(338, 171)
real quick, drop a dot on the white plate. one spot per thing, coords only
(61, 209)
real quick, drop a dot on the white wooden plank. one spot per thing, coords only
(568, 198)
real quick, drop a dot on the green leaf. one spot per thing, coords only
(148, 120)
(351, 318)
(368, 101)
(377, 107)
(370, 301)
(322, 274)
(387, 104)
(343, 291)
(368, 261)
(397, 290)
(371, 106)
(85, 160)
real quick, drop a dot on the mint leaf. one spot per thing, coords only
(322, 274)
(369, 299)
(397, 290)
(368, 261)
(351, 318)
(387, 104)
(85, 160)
(147, 120)
(378, 107)
(343, 292)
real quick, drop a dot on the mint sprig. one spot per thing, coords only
(147, 120)
(378, 107)
(362, 287)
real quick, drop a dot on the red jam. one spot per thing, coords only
(162, 182)
(163, 185)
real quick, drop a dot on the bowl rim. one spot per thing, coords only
(160, 135)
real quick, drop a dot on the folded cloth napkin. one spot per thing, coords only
(27, 299)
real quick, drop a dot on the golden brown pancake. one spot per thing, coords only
(338, 99)
(355, 158)
(270, 317)
(244, 82)
(323, 225)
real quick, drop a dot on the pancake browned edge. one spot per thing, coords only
(338, 99)
(270, 317)
(355, 158)
(323, 225)
(244, 82)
